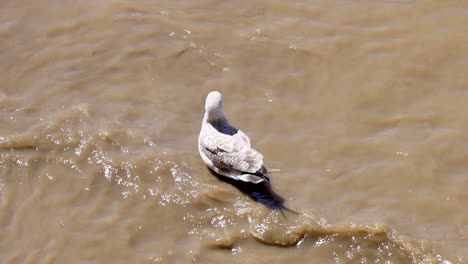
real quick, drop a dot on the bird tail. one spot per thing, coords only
(260, 173)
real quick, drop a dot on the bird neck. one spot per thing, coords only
(215, 116)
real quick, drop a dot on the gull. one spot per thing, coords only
(225, 149)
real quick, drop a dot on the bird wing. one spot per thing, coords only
(232, 153)
(243, 137)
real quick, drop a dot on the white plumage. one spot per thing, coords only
(225, 149)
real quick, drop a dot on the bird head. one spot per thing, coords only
(214, 103)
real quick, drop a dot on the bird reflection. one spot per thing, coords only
(260, 192)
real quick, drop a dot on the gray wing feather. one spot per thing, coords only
(242, 136)
(232, 152)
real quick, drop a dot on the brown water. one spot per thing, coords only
(363, 105)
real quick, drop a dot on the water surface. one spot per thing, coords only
(361, 104)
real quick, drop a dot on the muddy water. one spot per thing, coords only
(361, 104)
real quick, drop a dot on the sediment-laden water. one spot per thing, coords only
(362, 105)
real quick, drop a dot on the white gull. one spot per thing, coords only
(225, 149)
